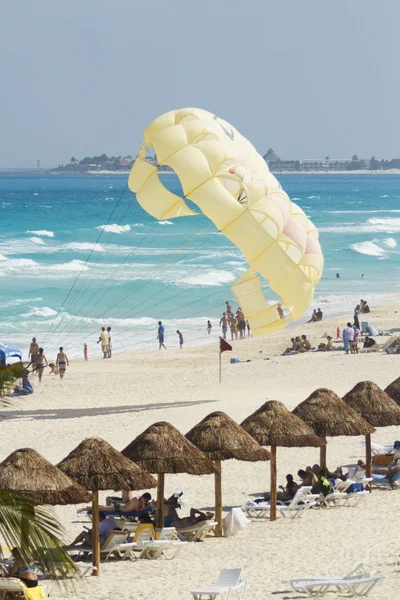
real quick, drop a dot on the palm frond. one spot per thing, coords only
(35, 531)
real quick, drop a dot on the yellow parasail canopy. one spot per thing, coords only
(223, 174)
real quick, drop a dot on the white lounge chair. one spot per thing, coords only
(358, 582)
(166, 533)
(228, 581)
(116, 544)
(303, 500)
(16, 586)
(196, 532)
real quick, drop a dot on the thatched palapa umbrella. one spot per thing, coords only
(329, 416)
(26, 473)
(376, 407)
(393, 390)
(163, 449)
(221, 438)
(96, 465)
(273, 425)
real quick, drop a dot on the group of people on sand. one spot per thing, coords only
(299, 345)
(237, 323)
(38, 361)
(316, 316)
(105, 341)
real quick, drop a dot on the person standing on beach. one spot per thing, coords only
(62, 362)
(233, 325)
(224, 324)
(241, 323)
(209, 327)
(348, 337)
(109, 347)
(228, 307)
(85, 351)
(39, 363)
(248, 328)
(33, 350)
(180, 339)
(160, 336)
(104, 342)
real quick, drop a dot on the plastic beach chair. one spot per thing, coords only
(16, 586)
(358, 582)
(228, 581)
(116, 544)
(196, 532)
(303, 500)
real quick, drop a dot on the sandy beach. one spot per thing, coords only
(117, 399)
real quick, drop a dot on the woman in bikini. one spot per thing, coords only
(39, 364)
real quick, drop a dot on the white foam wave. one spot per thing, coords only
(73, 265)
(37, 240)
(2, 257)
(86, 246)
(44, 311)
(114, 228)
(385, 196)
(19, 301)
(390, 242)
(42, 232)
(357, 212)
(368, 248)
(374, 225)
(212, 278)
(165, 222)
(138, 225)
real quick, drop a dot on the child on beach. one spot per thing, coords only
(209, 327)
(180, 339)
(85, 351)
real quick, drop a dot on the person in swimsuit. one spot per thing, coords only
(180, 338)
(224, 323)
(196, 516)
(241, 323)
(134, 504)
(228, 307)
(233, 326)
(33, 350)
(280, 311)
(25, 572)
(85, 351)
(62, 362)
(209, 327)
(38, 365)
(106, 525)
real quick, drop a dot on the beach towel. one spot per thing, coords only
(354, 487)
(36, 593)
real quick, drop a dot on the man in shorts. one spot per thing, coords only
(224, 324)
(160, 336)
(180, 339)
(241, 323)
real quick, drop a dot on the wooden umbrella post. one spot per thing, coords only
(95, 534)
(322, 456)
(218, 498)
(368, 459)
(273, 484)
(160, 501)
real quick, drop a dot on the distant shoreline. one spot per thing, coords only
(104, 172)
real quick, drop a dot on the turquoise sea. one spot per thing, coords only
(78, 252)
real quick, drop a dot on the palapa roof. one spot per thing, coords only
(27, 473)
(96, 465)
(221, 438)
(329, 416)
(393, 390)
(374, 405)
(163, 449)
(274, 425)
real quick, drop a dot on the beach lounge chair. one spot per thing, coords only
(303, 500)
(197, 532)
(228, 581)
(116, 545)
(166, 533)
(358, 582)
(17, 587)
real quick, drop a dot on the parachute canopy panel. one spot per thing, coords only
(221, 172)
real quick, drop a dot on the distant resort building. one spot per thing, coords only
(276, 164)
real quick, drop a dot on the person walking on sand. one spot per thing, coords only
(62, 362)
(241, 323)
(348, 337)
(160, 336)
(39, 364)
(85, 351)
(233, 325)
(33, 350)
(209, 327)
(104, 342)
(224, 324)
(109, 346)
(180, 338)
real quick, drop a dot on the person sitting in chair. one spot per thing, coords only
(106, 525)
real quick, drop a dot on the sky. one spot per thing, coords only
(309, 79)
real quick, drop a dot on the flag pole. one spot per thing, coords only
(220, 354)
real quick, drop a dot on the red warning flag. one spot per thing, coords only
(223, 345)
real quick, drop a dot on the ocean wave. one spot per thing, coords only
(19, 301)
(42, 232)
(2, 257)
(361, 212)
(138, 225)
(114, 228)
(44, 311)
(210, 278)
(385, 196)
(165, 222)
(374, 225)
(368, 248)
(37, 240)
(82, 246)
(390, 242)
